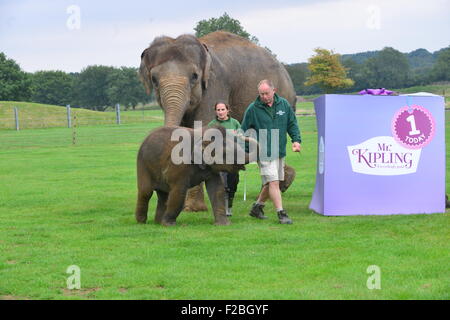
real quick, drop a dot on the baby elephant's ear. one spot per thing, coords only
(144, 73)
(206, 66)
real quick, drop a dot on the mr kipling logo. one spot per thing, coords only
(383, 156)
(413, 127)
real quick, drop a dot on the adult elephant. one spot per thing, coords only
(189, 75)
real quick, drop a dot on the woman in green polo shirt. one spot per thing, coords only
(230, 180)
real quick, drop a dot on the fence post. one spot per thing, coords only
(69, 118)
(74, 128)
(16, 116)
(118, 113)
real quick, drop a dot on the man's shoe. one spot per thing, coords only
(257, 211)
(229, 212)
(284, 218)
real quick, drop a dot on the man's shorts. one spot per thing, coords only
(271, 170)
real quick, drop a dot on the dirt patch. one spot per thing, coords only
(80, 292)
(10, 297)
(11, 262)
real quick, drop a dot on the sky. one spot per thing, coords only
(70, 35)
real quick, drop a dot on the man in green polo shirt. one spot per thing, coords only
(274, 114)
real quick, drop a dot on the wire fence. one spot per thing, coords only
(25, 116)
(22, 125)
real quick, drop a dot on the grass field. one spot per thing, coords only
(64, 205)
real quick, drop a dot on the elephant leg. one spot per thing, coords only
(161, 206)
(144, 197)
(216, 194)
(195, 200)
(174, 205)
(145, 192)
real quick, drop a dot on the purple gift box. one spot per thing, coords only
(379, 155)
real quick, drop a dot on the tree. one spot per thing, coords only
(356, 72)
(225, 23)
(389, 68)
(299, 72)
(91, 87)
(125, 87)
(14, 83)
(52, 87)
(441, 69)
(327, 71)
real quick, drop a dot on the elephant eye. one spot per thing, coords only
(154, 81)
(194, 76)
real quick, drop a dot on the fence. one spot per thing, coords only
(20, 116)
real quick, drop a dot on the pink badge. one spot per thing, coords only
(413, 127)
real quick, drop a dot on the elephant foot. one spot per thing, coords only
(193, 207)
(195, 200)
(168, 223)
(222, 222)
(141, 219)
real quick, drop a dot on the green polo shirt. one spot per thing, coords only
(230, 123)
(279, 116)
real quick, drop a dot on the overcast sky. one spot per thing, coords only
(70, 35)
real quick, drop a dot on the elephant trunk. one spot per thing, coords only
(174, 97)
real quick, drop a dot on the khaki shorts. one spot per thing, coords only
(271, 170)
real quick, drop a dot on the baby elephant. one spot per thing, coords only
(170, 170)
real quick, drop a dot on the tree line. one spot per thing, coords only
(95, 87)
(387, 68)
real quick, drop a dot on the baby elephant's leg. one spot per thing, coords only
(174, 205)
(161, 206)
(216, 194)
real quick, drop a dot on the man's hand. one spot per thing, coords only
(296, 147)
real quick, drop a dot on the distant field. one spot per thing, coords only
(36, 115)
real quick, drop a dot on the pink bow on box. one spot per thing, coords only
(377, 92)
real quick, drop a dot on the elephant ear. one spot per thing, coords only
(206, 64)
(144, 74)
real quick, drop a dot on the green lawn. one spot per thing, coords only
(64, 204)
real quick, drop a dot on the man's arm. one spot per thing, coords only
(292, 128)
